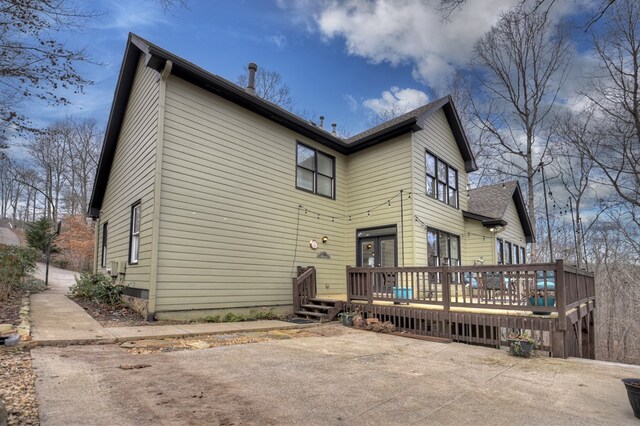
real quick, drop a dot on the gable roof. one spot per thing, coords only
(155, 58)
(488, 204)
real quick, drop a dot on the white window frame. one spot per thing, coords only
(134, 234)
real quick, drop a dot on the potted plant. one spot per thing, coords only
(633, 392)
(537, 298)
(347, 318)
(521, 344)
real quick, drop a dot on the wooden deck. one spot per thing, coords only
(480, 304)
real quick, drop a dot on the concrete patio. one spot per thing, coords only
(346, 377)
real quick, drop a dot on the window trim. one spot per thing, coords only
(103, 255)
(437, 180)
(449, 235)
(132, 234)
(316, 172)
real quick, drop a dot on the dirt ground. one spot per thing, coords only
(17, 387)
(334, 375)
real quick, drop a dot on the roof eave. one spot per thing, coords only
(460, 136)
(409, 125)
(116, 114)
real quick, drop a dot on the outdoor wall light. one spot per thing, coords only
(325, 239)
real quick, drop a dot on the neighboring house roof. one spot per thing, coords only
(488, 204)
(156, 58)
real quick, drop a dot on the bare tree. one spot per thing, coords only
(575, 169)
(84, 150)
(520, 66)
(270, 86)
(616, 97)
(34, 64)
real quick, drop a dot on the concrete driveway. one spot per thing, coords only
(347, 377)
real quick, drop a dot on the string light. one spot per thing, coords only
(368, 212)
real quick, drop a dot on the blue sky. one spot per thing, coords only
(341, 58)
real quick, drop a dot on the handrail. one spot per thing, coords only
(304, 286)
(524, 287)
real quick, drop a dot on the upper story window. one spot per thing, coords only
(441, 180)
(315, 171)
(134, 238)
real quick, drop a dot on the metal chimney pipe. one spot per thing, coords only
(333, 132)
(251, 86)
(322, 121)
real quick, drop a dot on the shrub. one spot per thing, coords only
(97, 287)
(15, 265)
(254, 315)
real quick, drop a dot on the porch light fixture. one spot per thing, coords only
(496, 229)
(325, 239)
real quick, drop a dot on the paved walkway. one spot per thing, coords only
(55, 319)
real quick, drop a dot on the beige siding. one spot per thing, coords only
(513, 232)
(231, 232)
(478, 243)
(436, 137)
(375, 176)
(131, 179)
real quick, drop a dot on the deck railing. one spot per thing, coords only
(543, 288)
(304, 286)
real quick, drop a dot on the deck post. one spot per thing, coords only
(369, 287)
(446, 291)
(349, 285)
(561, 295)
(558, 340)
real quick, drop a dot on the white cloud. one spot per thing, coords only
(279, 40)
(132, 15)
(409, 31)
(351, 101)
(406, 31)
(396, 101)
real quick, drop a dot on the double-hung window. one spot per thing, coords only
(315, 171)
(134, 238)
(441, 180)
(500, 250)
(103, 261)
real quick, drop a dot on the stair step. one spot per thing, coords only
(310, 314)
(331, 302)
(321, 307)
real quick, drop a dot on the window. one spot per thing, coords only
(523, 255)
(103, 261)
(134, 239)
(500, 250)
(516, 254)
(315, 171)
(507, 253)
(443, 249)
(441, 180)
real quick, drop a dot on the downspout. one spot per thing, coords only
(157, 188)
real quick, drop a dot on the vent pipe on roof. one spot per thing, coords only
(251, 86)
(322, 121)
(333, 125)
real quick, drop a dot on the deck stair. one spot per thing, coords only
(320, 309)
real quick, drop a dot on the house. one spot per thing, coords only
(207, 198)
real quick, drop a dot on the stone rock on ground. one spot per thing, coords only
(3, 414)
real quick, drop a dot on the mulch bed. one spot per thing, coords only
(120, 316)
(10, 308)
(17, 381)
(111, 317)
